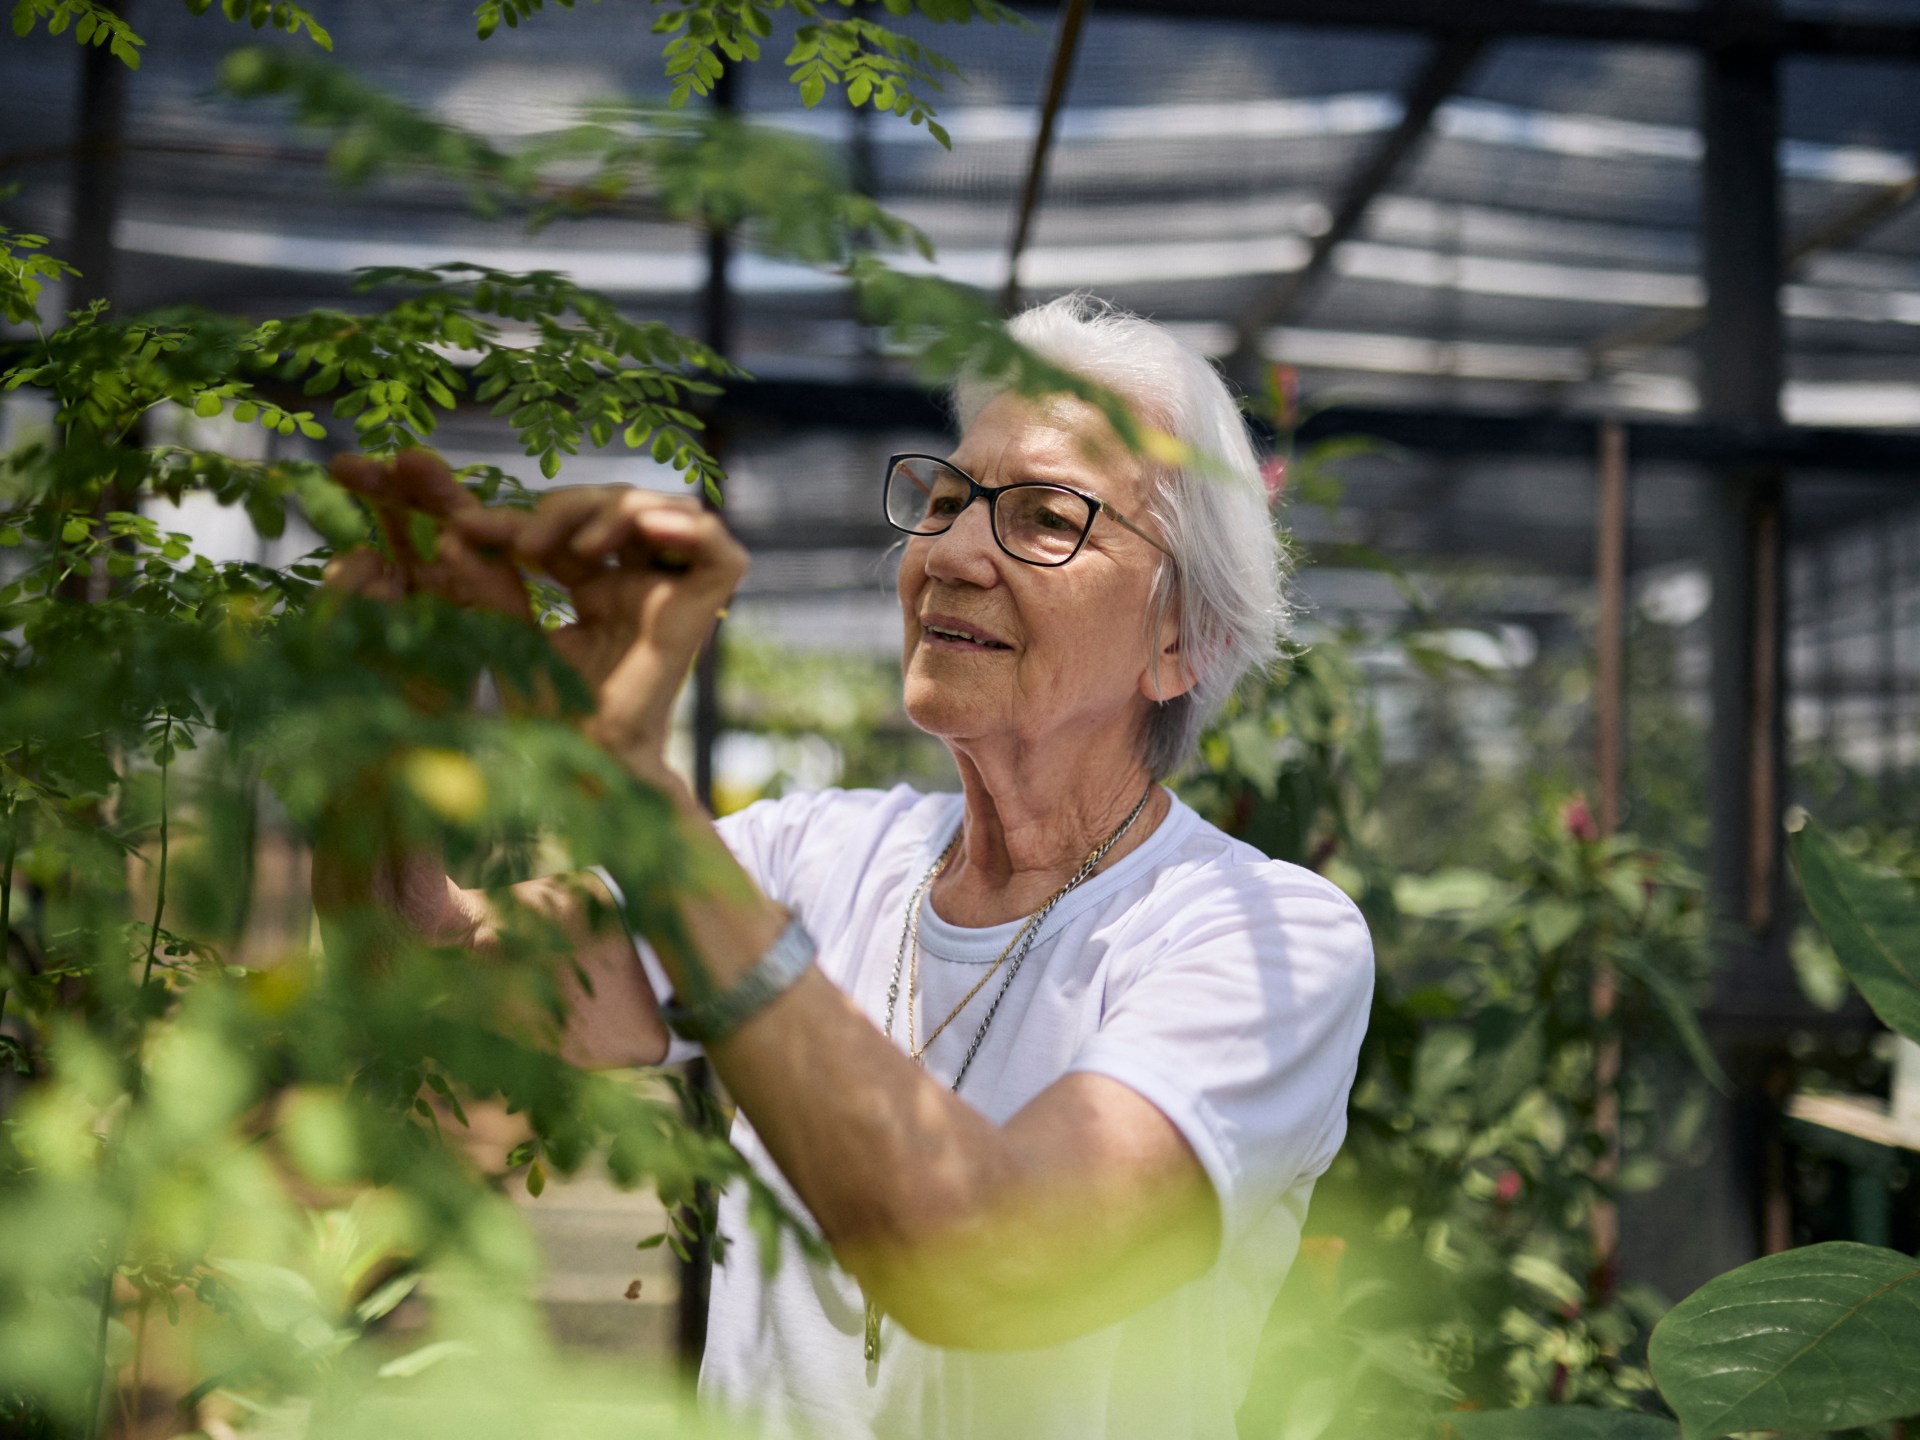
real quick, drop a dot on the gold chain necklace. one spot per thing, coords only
(1017, 948)
(914, 1047)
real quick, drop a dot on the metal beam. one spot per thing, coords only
(876, 406)
(1616, 24)
(1446, 67)
(1064, 46)
(1854, 222)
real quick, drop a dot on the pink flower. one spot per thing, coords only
(1507, 1188)
(1578, 820)
(1273, 470)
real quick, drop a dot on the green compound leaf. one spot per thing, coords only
(1557, 1422)
(1873, 921)
(1821, 1338)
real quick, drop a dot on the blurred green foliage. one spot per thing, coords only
(1452, 1239)
(1450, 1262)
(235, 1179)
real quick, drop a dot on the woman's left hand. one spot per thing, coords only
(648, 574)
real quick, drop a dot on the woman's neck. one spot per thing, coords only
(1028, 827)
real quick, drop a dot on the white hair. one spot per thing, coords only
(1228, 570)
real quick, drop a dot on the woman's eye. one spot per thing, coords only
(1053, 520)
(944, 505)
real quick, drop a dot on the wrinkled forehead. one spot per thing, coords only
(1057, 438)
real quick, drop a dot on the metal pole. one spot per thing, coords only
(1740, 375)
(1740, 354)
(1064, 46)
(1610, 573)
(95, 203)
(1887, 644)
(696, 1272)
(1446, 68)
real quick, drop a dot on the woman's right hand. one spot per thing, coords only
(648, 574)
(612, 1017)
(409, 889)
(418, 482)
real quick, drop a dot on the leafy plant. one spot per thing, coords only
(196, 1113)
(1823, 1337)
(1449, 1269)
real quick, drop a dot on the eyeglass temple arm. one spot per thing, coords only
(1135, 528)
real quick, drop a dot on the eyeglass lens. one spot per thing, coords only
(1042, 524)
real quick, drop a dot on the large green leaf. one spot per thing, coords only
(1814, 1339)
(1557, 1422)
(1873, 920)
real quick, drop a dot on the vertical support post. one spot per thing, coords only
(1887, 646)
(92, 210)
(1741, 368)
(1610, 575)
(1741, 363)
(1827, 647)
(95, 195)
(716, 313)
(1065, 43)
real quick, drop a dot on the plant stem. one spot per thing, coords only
(100, 1353)
(6, 901)
(139, 1367)
(160, 893)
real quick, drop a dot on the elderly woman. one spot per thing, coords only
(1052, 1063)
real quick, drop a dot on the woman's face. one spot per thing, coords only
(1041, 654)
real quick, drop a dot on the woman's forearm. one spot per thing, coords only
(897, 1170)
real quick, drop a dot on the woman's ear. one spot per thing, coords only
(1167, 676)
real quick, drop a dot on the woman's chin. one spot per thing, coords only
(942, 708)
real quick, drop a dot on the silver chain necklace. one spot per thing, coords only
(1014, 955)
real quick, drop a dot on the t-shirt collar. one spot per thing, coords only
(967, 944)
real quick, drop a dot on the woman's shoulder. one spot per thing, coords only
(833, 809)
(788, 844)
(1216, 902)
(1208, 858)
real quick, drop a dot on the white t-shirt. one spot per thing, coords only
(1229, 989)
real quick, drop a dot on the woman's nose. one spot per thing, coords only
(965, 550)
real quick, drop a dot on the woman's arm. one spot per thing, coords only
(1083, 1208)
(612, 1016)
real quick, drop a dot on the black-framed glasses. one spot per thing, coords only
(1035, 522)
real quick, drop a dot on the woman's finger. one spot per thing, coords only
(551, 524)
(359, 474)
(660, 521)
(425, 481)
(643, 530)
(374, 481)
(471, 579)
(364, 572)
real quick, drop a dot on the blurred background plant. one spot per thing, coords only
(240, 1189)
(1454, 1239)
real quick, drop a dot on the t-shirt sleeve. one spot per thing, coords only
(1240, 1018)
(773, 840)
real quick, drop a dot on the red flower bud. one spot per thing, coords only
(1578, 820)
(1507, 1188)
(1273, 470)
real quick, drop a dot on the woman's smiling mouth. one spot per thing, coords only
(950, 633)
